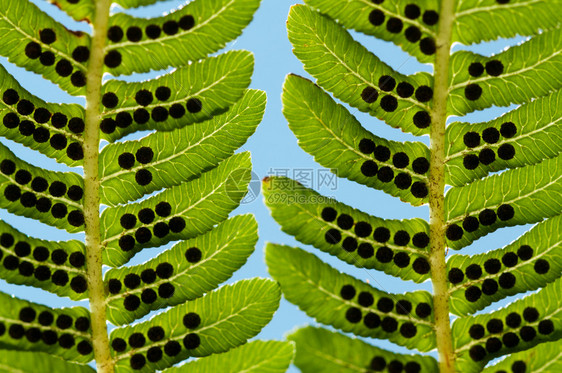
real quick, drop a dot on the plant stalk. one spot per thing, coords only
(437, 222)
(96, 290)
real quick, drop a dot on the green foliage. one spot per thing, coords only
(324, 351)
(522, 146)
(253, 357)
(179, 183)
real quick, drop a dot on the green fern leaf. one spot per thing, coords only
(478, 281)
(24, 361)
(348, 304)
(192, 32)
(346, 232)
(80, 10)
(189, 94)
(356, 153)
(476, 21)
(28, 326)
(370, 17)
(199, 114)
(202, 203)
(253, 357)
(466, 199)
(528, 135)
(524, 195)
(543, 358)
(345, 68)
(219, 321)
(135, 3)
(48, 51)
(50, 197)
(517, 75)
(58, 267)
(323, 351)
(52, 129)
(181, 154)
(192, 268)
(521, 325)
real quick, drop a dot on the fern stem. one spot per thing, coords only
(91, 190)
(437, 189)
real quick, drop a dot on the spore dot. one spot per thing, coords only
(473, 271)
(525, 252)
(389, 103)
(81, 54)
(508, 130)
(78, 79)
(191, 320)
(170, 27)
(369, 95)
(424, 93)
(473, 92)
(472, 294)
(489, 287)
(112, 59)
(384, 254)
(115, 34)
(427, 46)
(347, 292)
(193, 255)
(153, 31)
(413, 34)
(454, 232)
(405, 89)
(476, 69)
(33, 50)
(487, 217)
(494, 68)
(507, 280)
(506, 152)
(376, 17)
(194, 105)
(486, 156)
(412, 11)
(542, 266)
(187, 22)
(456, 275)
(394, 25)
(430, 17)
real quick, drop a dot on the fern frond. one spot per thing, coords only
(397, 247)
(57, 267)
(521, 325)
(340, 300)
(337, 141)
(55, 130)
(515, 76)
(53, 198)
(52, 50)
(357, 77)
(190, 94)
(519, 196)
(219, 321)
(528, 263)
(191, 268)
(198, 116)
(253, 357)
(524, 136)
(190, 33)
(476, 179)
(28, 326)
(323, 351)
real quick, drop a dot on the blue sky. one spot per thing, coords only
(274, 149)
